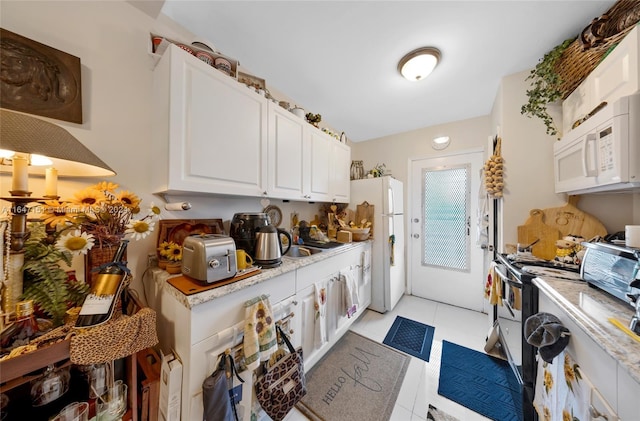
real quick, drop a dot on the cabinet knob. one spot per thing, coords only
(416, 235)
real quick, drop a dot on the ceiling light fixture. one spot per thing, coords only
(419, 63)
(439, 143)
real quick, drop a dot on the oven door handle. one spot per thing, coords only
(505, 278)
(500, 273)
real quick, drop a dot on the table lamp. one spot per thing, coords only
(26, 141)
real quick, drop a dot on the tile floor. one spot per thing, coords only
(420, 387)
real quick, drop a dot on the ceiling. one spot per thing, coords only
(339, 58)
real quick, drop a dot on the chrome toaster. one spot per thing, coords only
(209, 257)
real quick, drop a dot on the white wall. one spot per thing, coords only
(396, 150)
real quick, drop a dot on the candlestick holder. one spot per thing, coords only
(19, 200)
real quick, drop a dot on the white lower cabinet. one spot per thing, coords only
(614, 393)
(200, 334)
(334, 322)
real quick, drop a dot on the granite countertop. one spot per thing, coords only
(590, 308)
(288, 264)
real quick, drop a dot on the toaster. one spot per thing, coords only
(209, 257)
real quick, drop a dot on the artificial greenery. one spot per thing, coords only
(546, 87)
(45, 282)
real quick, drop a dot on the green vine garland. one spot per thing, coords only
(545, 83)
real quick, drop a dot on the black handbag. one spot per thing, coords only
(219, 403)
(283, 384)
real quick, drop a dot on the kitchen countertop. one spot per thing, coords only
(288, 264)
(590, 308)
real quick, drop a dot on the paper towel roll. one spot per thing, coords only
(632, 235)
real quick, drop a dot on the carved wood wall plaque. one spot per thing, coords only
(38, 79)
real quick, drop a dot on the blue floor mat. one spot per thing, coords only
(480, 382)
(411, 337)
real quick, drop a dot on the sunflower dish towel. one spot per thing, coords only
(259, 331)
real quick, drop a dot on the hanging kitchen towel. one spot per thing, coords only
(320, 306)
(352, 301)
(493, 286)
(562, 391)
(546, 331)
(259, 332)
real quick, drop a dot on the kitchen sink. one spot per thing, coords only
(302, 251)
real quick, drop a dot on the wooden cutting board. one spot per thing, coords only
(534, 229)
(189, 286)
(365, 211)
(570, 220)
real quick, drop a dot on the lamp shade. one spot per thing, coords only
(26, 134)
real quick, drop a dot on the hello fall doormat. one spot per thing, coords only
(358, 379)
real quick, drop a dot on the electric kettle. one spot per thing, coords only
(268, 248)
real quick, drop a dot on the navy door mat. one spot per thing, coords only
(411, 337)
(480, 382)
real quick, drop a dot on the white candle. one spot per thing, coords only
(20, 181)
(51, 182)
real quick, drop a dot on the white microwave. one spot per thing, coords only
(603, 153)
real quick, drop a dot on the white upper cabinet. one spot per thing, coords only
(340, 174)
(213, 135)
(210, 131)
(304, 162)
(286, 154)
(616, 76)
(318, 161)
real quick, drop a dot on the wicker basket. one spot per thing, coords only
(578, 60)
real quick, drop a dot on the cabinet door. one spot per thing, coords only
(285, 156)
(617, 75)
(217, 130)
(317, 166)
(340, 172)
(310, 327)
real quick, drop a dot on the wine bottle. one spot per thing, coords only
(22, 330)
(100, 304)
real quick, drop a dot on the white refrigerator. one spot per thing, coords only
(388, 281)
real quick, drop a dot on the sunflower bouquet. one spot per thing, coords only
(99, 214)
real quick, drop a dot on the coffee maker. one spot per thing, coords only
(244, 227)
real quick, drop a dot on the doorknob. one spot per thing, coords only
(416, 235)
(416, 220)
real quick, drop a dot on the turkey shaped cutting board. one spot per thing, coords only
(535, 229)
(570, 220)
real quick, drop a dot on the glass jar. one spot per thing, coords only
(50, 386)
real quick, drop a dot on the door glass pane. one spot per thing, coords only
(446, 193)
